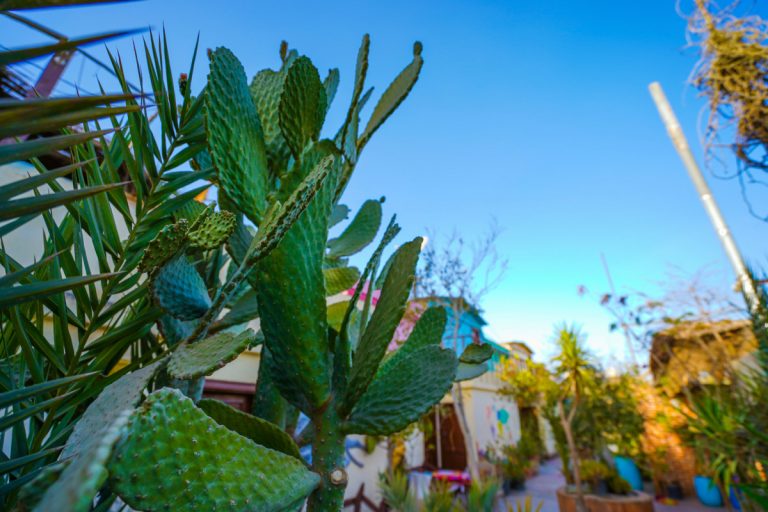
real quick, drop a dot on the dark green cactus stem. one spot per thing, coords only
(328, 462)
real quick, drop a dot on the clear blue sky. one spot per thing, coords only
(535, 113)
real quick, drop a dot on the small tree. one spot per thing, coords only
(573, 368)
(457, 277)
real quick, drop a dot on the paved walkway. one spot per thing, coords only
(542, 488)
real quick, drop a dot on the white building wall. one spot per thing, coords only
(493, 418)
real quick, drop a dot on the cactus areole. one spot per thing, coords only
(148, 438)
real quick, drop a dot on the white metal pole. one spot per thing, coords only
(675, 132)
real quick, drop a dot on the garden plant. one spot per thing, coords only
(175, 295)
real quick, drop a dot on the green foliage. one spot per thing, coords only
(203, 465)
(404, 392)
(440, 498)
(193, 360)
(473, 361)
(340, 279)
(123, 394)
(385, 319)
(260, 431)
(482, 495)
(179, 289)
(617, 485)
(302, 106)
(213, 231)
(394, 491)
(609, 416)
(235, 138)
(185, 274)
(525, 505)
(168, 242)
(593, 470)
(476, 354)
(726, 428)
(84, 475)
(359, 233)
(72, 315)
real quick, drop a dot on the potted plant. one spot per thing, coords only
(595, 473)
(707, 491)
(513, 468)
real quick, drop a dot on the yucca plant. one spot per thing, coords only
(279, 189)
(483, 495)
(69, 318)
(525, 505)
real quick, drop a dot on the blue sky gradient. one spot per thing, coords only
(533, 113)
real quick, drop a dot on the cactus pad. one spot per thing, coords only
(164, 246)
(213, 231)
(33, 491)
(189, 211)
(199, 359)
(83, 477)
(283, 215)
(397, 91)
(331, 85)
(179, 289)
(235, 139)
(402, 395)
(266, 88)
(123, 394)
(291, 294)
(340, 212)
(175, 331)
(245, 309)
(384, 321)
(195, 464)
(469, 371)
(256, 429)
(429, 330)
(340, 279)
(302, 105)
(360, 232)
(476, 353)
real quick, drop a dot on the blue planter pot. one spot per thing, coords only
(734, 496)
(628, 470)
(707, 491)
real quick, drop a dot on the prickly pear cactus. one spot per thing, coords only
(266, 253)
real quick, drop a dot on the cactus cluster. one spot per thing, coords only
(266, 254)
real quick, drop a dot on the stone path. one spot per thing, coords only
(542, 488)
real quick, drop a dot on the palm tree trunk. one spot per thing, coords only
(567, 421)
